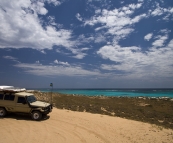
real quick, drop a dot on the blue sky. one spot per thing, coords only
(86, 43)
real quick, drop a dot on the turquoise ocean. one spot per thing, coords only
(115, 92)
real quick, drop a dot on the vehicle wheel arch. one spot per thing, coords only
(3, 111)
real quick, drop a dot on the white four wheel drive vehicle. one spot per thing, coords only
(18, 101)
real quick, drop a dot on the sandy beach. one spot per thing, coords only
(66, 126)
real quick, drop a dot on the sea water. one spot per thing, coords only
(116, 92)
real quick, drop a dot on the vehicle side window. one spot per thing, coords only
(1, 96)
(9, 97)
(21, 100)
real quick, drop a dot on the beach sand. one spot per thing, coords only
(64, 126)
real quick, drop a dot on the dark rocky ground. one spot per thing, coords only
(151, 110)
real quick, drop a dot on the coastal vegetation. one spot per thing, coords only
(157, 111)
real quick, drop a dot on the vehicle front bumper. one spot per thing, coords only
(47, 110)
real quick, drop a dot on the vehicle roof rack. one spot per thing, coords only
(11, 89)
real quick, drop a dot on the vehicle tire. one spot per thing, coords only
(36, 115)
(3, 112)
(44, 115)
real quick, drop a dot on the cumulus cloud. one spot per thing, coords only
(117, 53)
(55, 2)
(160, 40)
(43, 52)
(170, 45)
(99, 38)
(37, 62)
(165, 31)
(84, 39)
(78, 16)
(148, 36)
(56, 61)
(117, 22)
(61, 63)
(21, 26)
(39, 8)
(79, 54)
(134, 63)
(158, 11)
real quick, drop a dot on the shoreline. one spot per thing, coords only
(115, 92)
(105, 96)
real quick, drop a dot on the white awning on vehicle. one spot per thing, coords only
(11, 88)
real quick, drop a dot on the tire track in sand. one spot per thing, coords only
(73, 127)
(78, 131)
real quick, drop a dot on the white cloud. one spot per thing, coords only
(42, 51)
(135, 6)
(98, 11)
(79, 52)
(133, 63)
(148, 36)
(117, 22)
(10, 58)
(39, 8)
(52, 22)
(56, 61)
(55, 2)
(138, 18)
(78, 16)
(58, 70)
(85, 39)
(171, 10)
(117, 53)
(21, 27)
(157, 12)
(165, 31)
(170, 45)
(99, 38)
(14, 59)
(160, 41)
(79, 56)
(37, 62)
(61, 63)
(161, 11)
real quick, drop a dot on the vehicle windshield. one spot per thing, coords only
(31, 99)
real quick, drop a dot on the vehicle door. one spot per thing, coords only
(9, 102)
(22, 105)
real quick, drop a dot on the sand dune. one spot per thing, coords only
(65, 126)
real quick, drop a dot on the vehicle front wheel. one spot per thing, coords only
(3, 112)
(36, 115)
